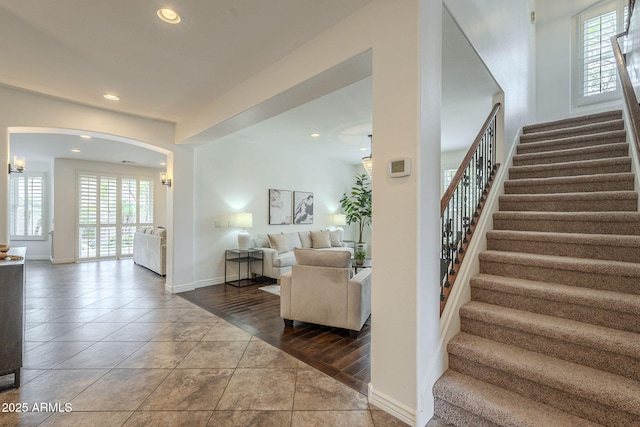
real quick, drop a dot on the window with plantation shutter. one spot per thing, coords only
(110, 208)
(595, 74)
(26, 207)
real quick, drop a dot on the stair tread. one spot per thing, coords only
(574, 238)
(604, 177)
(570, 216)
(587, 118)
(554, 143)
(568, 152)
(592, 384)
(590, 195)
(619, 268)
(597, 298)
(567, 330)
(501, 406)
(582, 129)
(588, 164)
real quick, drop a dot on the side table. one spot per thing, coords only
(239, 257)
(365, 264)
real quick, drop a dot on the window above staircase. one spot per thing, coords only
(595, 77)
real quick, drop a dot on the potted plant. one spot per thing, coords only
(357, 205)
(360, 255)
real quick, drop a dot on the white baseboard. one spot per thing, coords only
(194, 285)
(391, 406)
(62, 260)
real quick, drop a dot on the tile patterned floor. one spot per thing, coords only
(107, 346)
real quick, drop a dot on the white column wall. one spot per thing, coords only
(406, 88)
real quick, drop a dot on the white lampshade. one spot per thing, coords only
(340, 219)
(244, 220)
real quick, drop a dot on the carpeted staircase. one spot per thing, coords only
(551, 336)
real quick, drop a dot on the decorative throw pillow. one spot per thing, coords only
(293, 240)
(262, 241)
(339, 259)
(321, 239)
(305, 238)
(336, 238)
(278, 242)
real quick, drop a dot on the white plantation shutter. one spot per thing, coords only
(87, 215)
(596, 76)
(129, 199)
(108, 199)
(146, 201)
(26, 200)
(110, 208)
(599, 69)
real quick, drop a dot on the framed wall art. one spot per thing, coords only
(302, 207)
(280, 211)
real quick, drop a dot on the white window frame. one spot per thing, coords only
(579, 98)
(119, 224)
(43, 220)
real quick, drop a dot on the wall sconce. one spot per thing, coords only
(19, 163)
(243, 220)
(164, 180)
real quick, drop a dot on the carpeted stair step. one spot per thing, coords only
(598, 274)
(590, 246)
(573, 142)
(465, 401)
(547, 135)
(606, 308)
(598, 347)
(601, 201)
(574, 121)
(585, 392)
(587, 167)
(570, 184)
(618, 149)
(569, 222)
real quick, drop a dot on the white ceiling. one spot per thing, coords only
(78, 49)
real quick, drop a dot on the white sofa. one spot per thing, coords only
(150, 249)
(320, 289)
(277, 249)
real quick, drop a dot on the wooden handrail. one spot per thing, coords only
(627, 88)
(446, 197)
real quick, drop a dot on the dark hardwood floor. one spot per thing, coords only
(330, 350)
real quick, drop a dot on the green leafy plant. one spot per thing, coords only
(357, 205)
(360, 255)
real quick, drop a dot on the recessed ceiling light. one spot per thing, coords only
(362, 149)
(85, 137)
(314, 135)
(163, 163)
(111, 97)
(75, 150)
(169, 15)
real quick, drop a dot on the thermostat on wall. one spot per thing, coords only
(399, 167)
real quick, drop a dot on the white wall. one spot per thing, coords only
(65, 212)
(553, 69)
(503, 36)
(235, 176)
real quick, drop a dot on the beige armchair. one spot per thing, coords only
(320, 289)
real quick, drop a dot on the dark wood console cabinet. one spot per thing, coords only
(12, 282)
